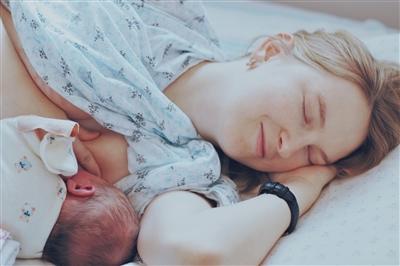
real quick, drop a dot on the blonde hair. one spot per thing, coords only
(343, 55)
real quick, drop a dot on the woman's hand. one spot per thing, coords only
(315, 175)
(306, 182)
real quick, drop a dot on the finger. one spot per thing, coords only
(86, 158)
(87, 135)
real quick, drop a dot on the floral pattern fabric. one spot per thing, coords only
(113, 59)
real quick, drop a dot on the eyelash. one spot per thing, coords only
(309, 154)
(304, 111)
(305, 121)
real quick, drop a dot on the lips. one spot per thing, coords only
(261, 143)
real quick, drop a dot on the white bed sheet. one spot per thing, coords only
(356, 221)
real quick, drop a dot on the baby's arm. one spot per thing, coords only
(182, 228)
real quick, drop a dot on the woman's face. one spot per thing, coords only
(303, 115)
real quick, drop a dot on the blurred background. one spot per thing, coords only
(386, 11)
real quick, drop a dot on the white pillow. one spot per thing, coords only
(385, 47)
(355, 221)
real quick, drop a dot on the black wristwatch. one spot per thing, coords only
(284, 193)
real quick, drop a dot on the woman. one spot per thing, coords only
(286, 106)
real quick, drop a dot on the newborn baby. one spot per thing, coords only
(76, 219)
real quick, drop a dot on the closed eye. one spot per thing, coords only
(304, 110)
(309, 155)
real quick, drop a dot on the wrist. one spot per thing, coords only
(283, 192)
(305, 191)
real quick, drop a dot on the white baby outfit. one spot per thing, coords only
(113, 59)
(32, 192)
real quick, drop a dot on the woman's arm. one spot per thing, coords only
(182, 228)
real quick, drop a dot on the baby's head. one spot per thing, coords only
(81, 220)
(96, 226)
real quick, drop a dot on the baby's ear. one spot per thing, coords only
(80, 188)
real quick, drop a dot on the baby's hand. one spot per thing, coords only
(84, 157)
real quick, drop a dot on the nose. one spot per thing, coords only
(289, 145)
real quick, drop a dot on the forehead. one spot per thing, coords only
(347, 114)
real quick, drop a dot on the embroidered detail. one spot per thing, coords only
(27, 212)
(121, 73)
(121, 4)
(168, 75)
(138, 120)
(136, 135)
(93, 108)
(171, 107)
(166, 50)
(34, 24)
(147, 90)
(60, 191)
(210, 175)
(199, 19)
(64, 67)
(99, 35)
(46, 79)
(132, 22)
(108, 99)
(140, 188)
(23, 17)
(23, 164)
(76, 19)
(186, 62)
(181, 182)
(108, 125)
(51, 139)
(80, 47)
(142, 173)
(151, 61)
(135, 94)
(138, 5)
(121, 52)
(161, 125)
(140, 158)
(68, 88)
(89, 79)
(42, 54)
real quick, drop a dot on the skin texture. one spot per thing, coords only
(272, 93)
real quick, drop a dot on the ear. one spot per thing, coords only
(80, 187)
(271, 47)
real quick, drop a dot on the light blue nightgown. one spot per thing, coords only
(113, 59)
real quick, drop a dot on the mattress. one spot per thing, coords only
(356, 220)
